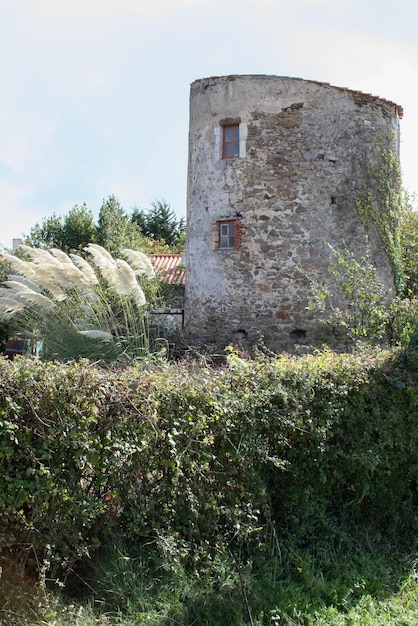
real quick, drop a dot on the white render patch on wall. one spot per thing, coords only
(306, 150)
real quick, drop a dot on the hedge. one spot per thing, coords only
(193, 460)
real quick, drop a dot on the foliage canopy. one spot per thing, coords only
(160, 223)
(152, 232)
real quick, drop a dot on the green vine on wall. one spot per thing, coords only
(382, 203)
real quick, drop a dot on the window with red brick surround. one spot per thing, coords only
(229, 234)
(230, 141)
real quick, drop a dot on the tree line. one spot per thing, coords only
(153, 230)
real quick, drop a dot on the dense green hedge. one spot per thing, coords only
(193, 461)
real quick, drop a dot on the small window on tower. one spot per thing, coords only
(230, 147)
(226, 235)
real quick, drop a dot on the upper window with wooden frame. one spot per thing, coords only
(230, 141)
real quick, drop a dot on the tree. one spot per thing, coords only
(72, 232)
(116, 230)
(160, 223)
(69, 233)
(48, 234)
(79, 228)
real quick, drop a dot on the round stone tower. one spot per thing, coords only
(277, 166)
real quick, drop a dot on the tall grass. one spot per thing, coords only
(364, 582)
(90, 307)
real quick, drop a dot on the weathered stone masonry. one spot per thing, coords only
(305, 155)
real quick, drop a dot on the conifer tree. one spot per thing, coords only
(160, 223)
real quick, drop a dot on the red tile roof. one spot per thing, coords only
(169, 268)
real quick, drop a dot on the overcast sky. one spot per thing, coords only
(95, 93)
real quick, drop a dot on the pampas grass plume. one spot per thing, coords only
(36, 254)
(9, 307)
(23, 267)
(140, 263)
(96, 334)
(24, 281)
(89, 273)
(94, 248)
(60, 255)
(104, 262)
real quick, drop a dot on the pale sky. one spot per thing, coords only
(95, 93)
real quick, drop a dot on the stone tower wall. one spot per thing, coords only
(306, 150)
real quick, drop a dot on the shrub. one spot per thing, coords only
(358, 306)
(404, 320)
(191, 463)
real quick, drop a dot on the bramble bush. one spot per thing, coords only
(188, 463)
